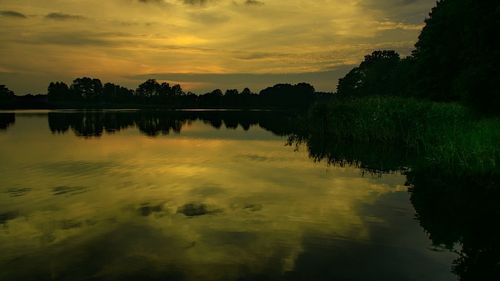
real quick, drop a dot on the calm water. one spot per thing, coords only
(196, 196)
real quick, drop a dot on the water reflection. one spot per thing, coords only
(154, 123)
(459, 211)
(222, 198)
(6, 120)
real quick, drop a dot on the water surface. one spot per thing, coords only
(125, 195)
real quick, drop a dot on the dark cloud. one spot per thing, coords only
(393, 3)
(5, 217)
(254, 3)
(410, 11)
(147, 209)
(196, 209)
(255, 157)
(62, 16)
(197, 2)
(78, 38)
(12, 14)
(322, 80)
(69, 190)
(216, 77)
(70, 224)
(210, 18)
(160, 2)
(18, 191)
(72, 40)
(261, 55)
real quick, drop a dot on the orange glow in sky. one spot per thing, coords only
(202, 44)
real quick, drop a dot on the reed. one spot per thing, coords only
(441, 134)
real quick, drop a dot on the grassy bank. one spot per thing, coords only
(442, 134)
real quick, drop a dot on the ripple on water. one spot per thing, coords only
(69, 190)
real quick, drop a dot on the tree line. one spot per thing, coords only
(88, 91)
(456, 59)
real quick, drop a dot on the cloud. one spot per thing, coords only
(197, 2)
(63, 16)
(158, 2)
(12, 14)
(254, 3)
(409, 11)
(322, 80)
(200, 36)
(72, 39)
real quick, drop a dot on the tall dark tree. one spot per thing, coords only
(150, 88)
(177, 90)
(458, 53)
(246, 92)
(116, 93)
(213, 98)
(89, 89)
(5, 93)
(58, 91)
(232, 97)
(287, 95)
(164, 90)
(376, 75)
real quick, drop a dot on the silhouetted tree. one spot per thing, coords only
(152, 93)
(246, 92)
(376, 75)
(212, 99)
(177, 91)
(456, 59)
(457, 54)
(88, 89)
(59, 91)
(287, 95)
(116, 93)
(164, 90)
(247, 97)
(232, 98)
(5, 93)
(150, 88)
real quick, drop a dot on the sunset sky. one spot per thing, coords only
(200, 44)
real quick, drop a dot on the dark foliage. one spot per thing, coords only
(460, 210)
(453, 189)
(288, 95)
(86, 88)
(458, 53)
(455, 59)
(374, 76)
(6, 94)
(59, 91)
(91, 93)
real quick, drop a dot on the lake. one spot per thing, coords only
(198, 195)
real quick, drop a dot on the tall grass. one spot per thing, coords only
(442, 134)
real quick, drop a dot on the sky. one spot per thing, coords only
(200, 44)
